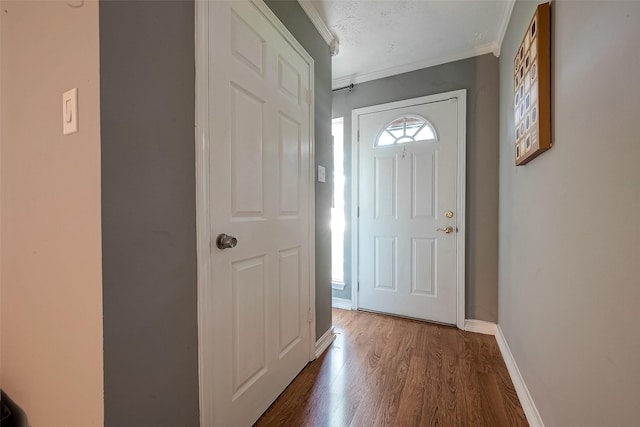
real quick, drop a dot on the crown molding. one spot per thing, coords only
(503, 27)
(321, 26)
(405, 68)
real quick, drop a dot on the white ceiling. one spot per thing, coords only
(379, 38)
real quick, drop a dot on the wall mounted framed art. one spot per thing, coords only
(532, 89)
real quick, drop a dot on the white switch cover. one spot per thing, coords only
(70, 111)
(321, 174)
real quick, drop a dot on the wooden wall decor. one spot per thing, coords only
(532, 85)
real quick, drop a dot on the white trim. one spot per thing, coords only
(461, 95)
(461, 203)
(503, 26)
(355, 210)
(338, 286)
(321, 26)
(341, 303)
(412, 66)
(480, 327)
(203, 226)
(324, 342)
(528, 405)
(203, 223)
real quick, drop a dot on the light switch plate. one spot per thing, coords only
(322, 174)
(70, 111)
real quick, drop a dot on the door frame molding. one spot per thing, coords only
(461, 95)
(204, 235)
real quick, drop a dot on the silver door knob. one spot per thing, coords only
(225, 241)
(447, 230)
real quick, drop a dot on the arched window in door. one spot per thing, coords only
(409, 128)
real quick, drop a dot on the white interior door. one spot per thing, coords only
(260, 145)
(409, 209)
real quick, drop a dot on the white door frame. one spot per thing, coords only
(203, 218)
(460, 188)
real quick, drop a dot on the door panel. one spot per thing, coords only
(406, 266)
(385, 192)
(245, 145)
(288, 80)
(289, 159)
(423, 278)
(423, 197)
(246, 44)
(385, 263)
(289, 266)
(260, 145)
(248, 323)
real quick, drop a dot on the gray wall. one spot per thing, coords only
(297, 22)
(148, 213)
(570, 221)
(148, 205)
(479, 76)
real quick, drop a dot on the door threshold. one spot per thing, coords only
(432, 322)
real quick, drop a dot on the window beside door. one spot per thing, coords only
(337, 211)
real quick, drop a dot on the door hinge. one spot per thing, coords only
(358, 211)
(309, 316)
(358, 287)
(308, 96)
(358, 135)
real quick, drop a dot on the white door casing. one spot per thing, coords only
(256, 323)
(402, 264)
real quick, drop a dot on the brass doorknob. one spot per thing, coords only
(447, 230)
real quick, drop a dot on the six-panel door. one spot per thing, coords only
(407, 184)
(260, 144)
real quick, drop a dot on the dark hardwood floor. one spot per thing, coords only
(388, 371)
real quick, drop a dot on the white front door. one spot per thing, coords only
(260, 194)
(409, 210)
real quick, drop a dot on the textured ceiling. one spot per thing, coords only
(379, 38)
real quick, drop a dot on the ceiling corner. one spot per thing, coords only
(503, 26)
(321, 26)
(496, 50)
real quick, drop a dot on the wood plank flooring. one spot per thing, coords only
(388, 371)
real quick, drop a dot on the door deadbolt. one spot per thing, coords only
(448, 214)
(225, 241)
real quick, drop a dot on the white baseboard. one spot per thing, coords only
(342, 303)
(338, 286)
(480, 326)
(528, 406)
(324, 342)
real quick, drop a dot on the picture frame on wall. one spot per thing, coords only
(532, 89)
